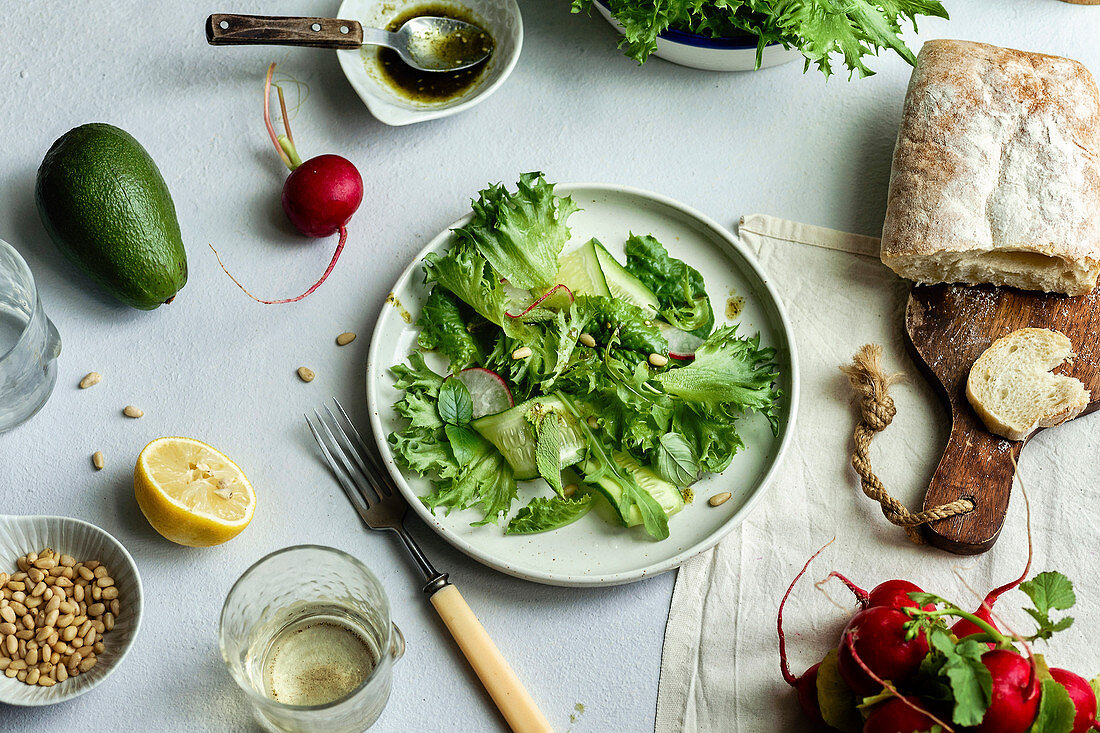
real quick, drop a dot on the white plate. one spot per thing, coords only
(592, 551)
(500, 17)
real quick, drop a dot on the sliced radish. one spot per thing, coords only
(488, 391)
(554, 297)
(681, 344)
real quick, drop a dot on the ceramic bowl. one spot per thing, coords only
(500, 17)
(20, 535)
(711, 54)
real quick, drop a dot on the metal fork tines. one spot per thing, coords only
(368, 486)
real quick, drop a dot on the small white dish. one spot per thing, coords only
(501, 18)
(711, 54)
(592, 552)
(84, 541)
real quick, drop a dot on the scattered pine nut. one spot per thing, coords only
(345, 338)
(90, 379)
(131, 411)
(658, 360)
(569, 490)
(592, 421)
(719, 499)
(587, 340)
(97, 460)
(522, 352)
(306, 374)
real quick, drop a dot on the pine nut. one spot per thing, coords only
(32, 677)
(45, 563)
(9, 672)
(115, 606)
(78, 593)
(36, 575)
(8, 614)
(719, 499)
(18, 607)
(65, 620)
(7, 628)
(62, 674)
(345, 338)
(98, 626)
(67, 561)
(98, 648)
(43, 634)
(84, 628)
(16, 585)
(90, 379)
(522, 352)
(46, 681)
(100, 571)
(33, 602)
(658, 360)
(91, 564)
(4, 662)
(89, 638)
(97, 592)
(131, 411)
(85, 572)
(28, 621)
(110, 593)
(51, 618)
(54, 604)
(569, 490)
(108, 621)
(32, 657)
(97, 460)
(306, 374)
(63, 582)
(69, 633)
(587, 340)
(12, 644)
(18, 664)
(592, 421)
(96, 609)
(21, 675)
(67, 607)
(24, 635)
(104, 582)
(88, 663)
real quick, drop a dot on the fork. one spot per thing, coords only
(381, 506)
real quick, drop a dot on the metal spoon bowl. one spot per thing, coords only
(426, 43)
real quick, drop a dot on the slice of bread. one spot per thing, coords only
(1012, 389)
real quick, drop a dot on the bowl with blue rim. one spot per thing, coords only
(734, 53)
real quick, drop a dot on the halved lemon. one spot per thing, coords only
(191, 493)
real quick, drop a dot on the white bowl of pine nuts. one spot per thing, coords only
(70, 608)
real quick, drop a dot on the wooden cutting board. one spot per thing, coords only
(949, 326)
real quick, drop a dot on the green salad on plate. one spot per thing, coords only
(605, 381)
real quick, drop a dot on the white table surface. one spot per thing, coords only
(219, 367)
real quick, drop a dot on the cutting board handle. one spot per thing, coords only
(976, 465)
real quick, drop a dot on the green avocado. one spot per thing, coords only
(106, 206)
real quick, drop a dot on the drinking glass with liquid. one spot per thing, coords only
(306, 633)
(29, 344)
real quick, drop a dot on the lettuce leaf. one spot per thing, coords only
(729, 376)
(521, 234)
(443, 328)
(678, 286)
(467, 274)
(547, 513)
(819, 29)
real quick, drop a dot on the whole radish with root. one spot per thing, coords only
(319, 196)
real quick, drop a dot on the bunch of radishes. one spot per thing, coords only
(899, 668)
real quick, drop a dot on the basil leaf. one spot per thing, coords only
(464, 444)
(675, 460)
(455, 405)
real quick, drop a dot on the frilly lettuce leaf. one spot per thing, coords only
(521, 234)
(464, 272)
(678, 286)
(546, 513)
(442, 328)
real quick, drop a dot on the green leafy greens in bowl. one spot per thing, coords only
(816, 28)
(570, 362)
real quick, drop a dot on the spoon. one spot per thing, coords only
(425, 43)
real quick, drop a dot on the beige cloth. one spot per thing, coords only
(720, 665)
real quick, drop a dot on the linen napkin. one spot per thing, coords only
(720, 663)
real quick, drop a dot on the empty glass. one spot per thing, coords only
(306, 633)
(29, 343)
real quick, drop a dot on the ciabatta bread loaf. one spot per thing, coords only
(1011, 387)
(996, 171)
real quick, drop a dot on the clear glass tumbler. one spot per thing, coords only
(306, 633)
(29, 343)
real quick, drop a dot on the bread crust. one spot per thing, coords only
(996, 166)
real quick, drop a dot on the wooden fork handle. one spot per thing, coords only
(509, 694)
(227, 29)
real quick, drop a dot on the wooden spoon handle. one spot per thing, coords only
(976, 465)
(509, 694)
(226, 29)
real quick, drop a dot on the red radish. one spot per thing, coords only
(681, 344)
(898, 716)
(1015, 701)
(876, 636)
(806, 685)
(319, 196)
(895, 594)
(1084, 699)
(545, 296)
(488, 391)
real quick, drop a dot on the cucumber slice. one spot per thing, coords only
(666, 494)
(513, 435)
(622, 285)
(580, 271)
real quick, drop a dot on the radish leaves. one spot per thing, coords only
(1050, 590)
